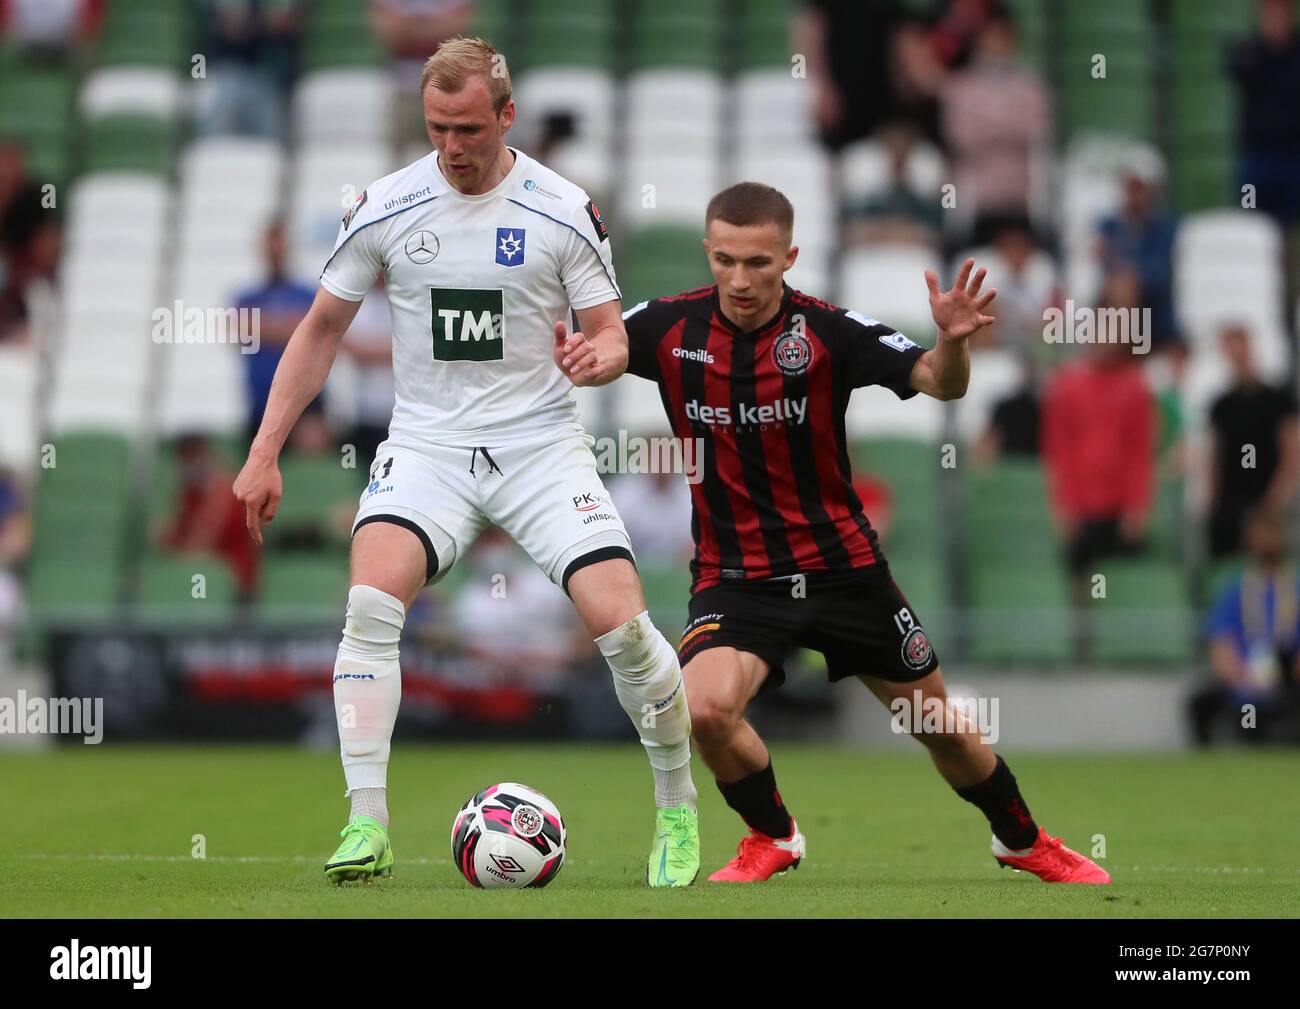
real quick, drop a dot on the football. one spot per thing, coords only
(508, 836)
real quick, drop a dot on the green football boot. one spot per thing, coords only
(364, 853)
(675, 857)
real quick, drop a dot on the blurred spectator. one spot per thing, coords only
(15, 522)
(877, 502)
(656, 509)
(252, 61)
(849, 45)
(1027, 286)
(206, 516)
(411, 31)
(1266, 67)
(1256, 446)
(1254, 639)
(49, 29)
(511, 617)
(994, 113)
(1169, 384)
(1140, 239)
(957, 31)
(1099, 441)
(369, 343)
(15, 541)
(280, 303)
(1015, 428)
(30, 240)
(20, 199)
(897, 213)
(918, 79)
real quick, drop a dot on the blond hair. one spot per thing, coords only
(461, 58)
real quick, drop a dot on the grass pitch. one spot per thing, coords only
(107, 831)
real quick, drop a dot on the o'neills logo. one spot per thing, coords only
(703, 356)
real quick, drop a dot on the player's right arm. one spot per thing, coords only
(299, 378)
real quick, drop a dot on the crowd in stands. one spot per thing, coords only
(949, 87)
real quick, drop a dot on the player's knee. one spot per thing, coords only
(712, 719)
(950, 738)
(374, 621)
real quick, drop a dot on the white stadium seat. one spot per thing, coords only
(19, 385)
(667, 188)
(773, 106)
(658, 101)
(351, 104)
(585, 93)
(887, 282)
(131, 90)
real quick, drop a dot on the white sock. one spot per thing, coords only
(371, 802)
(672, 788)
(648, 682)
(368, 685)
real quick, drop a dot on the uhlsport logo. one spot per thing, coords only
(469, 324)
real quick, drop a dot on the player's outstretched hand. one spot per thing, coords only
(259, 489)
(960, 312)
(577, 357)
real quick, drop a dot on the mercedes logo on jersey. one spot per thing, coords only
(422, 247)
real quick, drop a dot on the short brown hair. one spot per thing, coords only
(747, 204)
(461, 58)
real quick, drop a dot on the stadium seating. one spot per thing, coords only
(297, 590)
(669, 100)
(184, 590)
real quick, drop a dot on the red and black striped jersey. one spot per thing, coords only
(776, 495)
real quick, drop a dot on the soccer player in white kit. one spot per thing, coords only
(484, 252)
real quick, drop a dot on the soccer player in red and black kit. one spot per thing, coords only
(785, 557)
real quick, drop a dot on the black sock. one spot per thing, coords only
(1000, 800)
(759, 803)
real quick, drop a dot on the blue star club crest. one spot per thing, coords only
(510, 246)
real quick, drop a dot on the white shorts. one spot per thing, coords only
(547, 497)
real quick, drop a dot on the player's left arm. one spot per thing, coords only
(597, 353)
(944, 372)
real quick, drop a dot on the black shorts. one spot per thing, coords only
(858, 619)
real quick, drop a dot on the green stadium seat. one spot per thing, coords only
(131, 143)
(656, 261)
(36, 108)
(149, 33)
(1007, 515)
(166, 592)
(336, 40)
(559, 33)
(1146, 615)
(910, 469)
(492, 20)
(302, 590)
(318, 493)
(60, 590)
(667, 591)
(679, 44)
(1019, 615)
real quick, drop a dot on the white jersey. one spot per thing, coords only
(475, 285)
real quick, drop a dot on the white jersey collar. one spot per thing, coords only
(511, 178)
